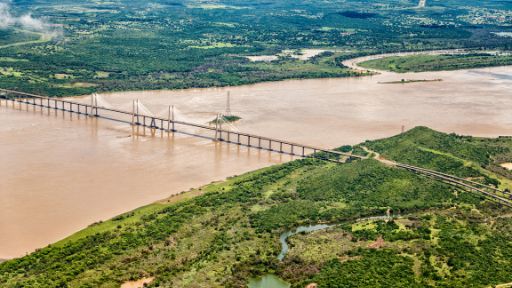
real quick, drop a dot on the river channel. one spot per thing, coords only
(60, 172)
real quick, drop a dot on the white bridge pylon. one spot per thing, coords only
(171, 113)
(99, 101)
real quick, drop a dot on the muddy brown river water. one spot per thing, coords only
(60, 173)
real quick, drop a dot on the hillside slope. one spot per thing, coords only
(223, 234)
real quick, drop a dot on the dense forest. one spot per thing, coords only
(424, 234)
(86, 46)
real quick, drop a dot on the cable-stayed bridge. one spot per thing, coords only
(140, 116)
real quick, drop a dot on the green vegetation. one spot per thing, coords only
(407, 81)
(229, 232)
(133, 45)
(421, 63)
(393, 271)
(465, 156)
(11, 37)
(226, 119)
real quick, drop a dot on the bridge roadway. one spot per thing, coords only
(246, 139)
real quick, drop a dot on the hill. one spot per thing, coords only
(384, 227)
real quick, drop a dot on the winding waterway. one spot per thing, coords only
(61, 173)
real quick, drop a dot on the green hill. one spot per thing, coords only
(223, 234)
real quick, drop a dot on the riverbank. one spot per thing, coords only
(233, 72)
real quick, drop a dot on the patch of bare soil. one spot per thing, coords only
(507, 166)
(138, 283)
(379, 243)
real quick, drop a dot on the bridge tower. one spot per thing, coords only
(218, 127)
(422, 4)
(94, 104)
(171, 119)
(228, 104)
(135, 112)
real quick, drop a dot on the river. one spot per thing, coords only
(61, 173)
(331, 112)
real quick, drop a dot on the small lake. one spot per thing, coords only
(268, 281)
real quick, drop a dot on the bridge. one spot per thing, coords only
(171, 125)
(217, 133)
(503, 197)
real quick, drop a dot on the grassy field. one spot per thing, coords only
(421, 63)
(225, 233)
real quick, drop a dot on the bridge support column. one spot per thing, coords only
(96, 114)
(133, 112)
(137, 112)
(173, 120)
(217, 127)
(169, 117)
